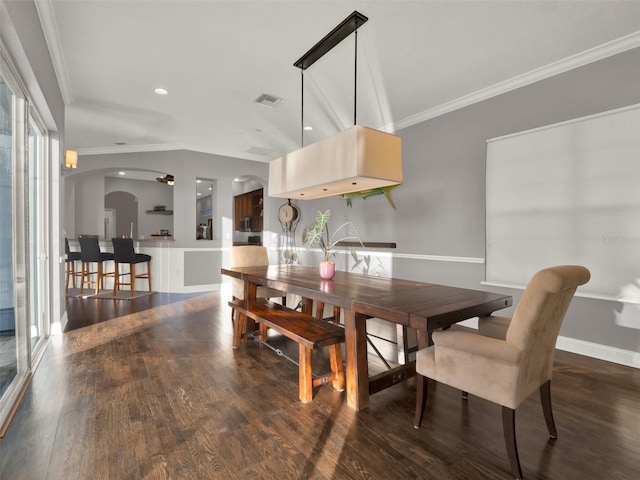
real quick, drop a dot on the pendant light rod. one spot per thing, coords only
(333, 38)
(355, 78)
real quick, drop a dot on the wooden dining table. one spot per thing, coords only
(422, 306)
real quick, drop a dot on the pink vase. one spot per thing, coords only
(327, 270)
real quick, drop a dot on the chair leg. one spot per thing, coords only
(509, 428)
(116, 280)
(545, 397)
(82, 278)
(422, 387)
(66, 280)
(74, 274)
(99, 279)
(132, 278)
(149, 274)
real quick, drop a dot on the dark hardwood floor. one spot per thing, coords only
(160, 394)
(88, 311)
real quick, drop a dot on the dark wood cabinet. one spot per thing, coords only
(247, 212)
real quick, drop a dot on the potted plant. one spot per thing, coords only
(318, 235)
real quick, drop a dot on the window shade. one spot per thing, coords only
(567, 193)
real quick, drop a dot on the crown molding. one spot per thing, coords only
(119, 149)
(52, 37)
(578, 60)
(131, 149)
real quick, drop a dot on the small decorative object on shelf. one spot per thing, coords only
(318, 234)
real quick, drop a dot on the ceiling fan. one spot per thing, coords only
(167, 179)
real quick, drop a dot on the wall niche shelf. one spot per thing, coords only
(160, 212)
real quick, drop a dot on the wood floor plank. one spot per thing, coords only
(160, 394)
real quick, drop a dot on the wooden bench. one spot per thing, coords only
(308, 331)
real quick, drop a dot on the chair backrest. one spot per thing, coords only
(123, 250)
(537, 319)
(246, 256)
(89, 249)
(66, 246)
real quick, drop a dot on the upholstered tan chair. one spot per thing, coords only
(250, 256)
(509, 358)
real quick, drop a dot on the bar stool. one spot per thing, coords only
(124, 252)
(90, 253)
(70, 261)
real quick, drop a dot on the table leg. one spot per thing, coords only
(355, 331)
(250, 292)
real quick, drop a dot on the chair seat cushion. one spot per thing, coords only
(485, 367)
(73, 256)
(142, 257)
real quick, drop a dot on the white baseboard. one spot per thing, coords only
(601, 352)
(58, 327)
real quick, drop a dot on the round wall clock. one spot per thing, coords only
(288, 213)
(289, 216)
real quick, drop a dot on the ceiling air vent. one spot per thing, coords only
(261, 150)
(269, 100)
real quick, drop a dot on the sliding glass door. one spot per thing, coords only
(38, 235)
(24, 238)
(8, 346)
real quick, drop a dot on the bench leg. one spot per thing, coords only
(238, 327)
(305, 377)
(335, 356)
(263, 331)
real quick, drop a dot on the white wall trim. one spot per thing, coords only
(52, 37)
(595, 296)
(438, 258)
(601, 352)
(168, 148)
(584, 58)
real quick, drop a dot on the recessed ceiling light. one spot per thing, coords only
(119, 143)
(199, 194)
(236, 179)
(198, 181)
(121, 173)
(308, 127)
(210, 189)
(161, 91)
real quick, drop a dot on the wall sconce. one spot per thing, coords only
(71, 159)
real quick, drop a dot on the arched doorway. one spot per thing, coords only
(121, 215)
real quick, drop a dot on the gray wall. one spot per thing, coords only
(148, 195)
(441, 204)
(89, 189)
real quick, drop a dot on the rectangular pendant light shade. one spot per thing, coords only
(353, 160)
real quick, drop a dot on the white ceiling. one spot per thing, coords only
(416, 59)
